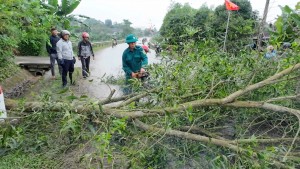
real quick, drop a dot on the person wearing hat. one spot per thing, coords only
(134, 60)
(146, 49)
(85, 50)
(51, 49)
(271, 52)
(65, 56)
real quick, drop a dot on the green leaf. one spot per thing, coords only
(261, 156)
(53, 3)
(67, 24)
(296, 18)
(72, 97)
(286, 9)
(279, 24)
(49, 7)
(69, 6)
(272, 149)
(64, 6)
(83, 96)
(297, 6)
(63, 90)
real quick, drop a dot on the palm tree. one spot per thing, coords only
(62, 10)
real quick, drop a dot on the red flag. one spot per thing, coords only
(231, 6)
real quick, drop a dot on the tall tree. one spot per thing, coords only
(202, 21)
(108, 22)
(127, 29)
(175, 22)
(241, 26)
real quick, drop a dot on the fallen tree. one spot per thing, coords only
(231, 101)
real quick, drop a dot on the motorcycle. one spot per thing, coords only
(157, 49)
(114, 43)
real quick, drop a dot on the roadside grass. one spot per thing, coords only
(7, 70)
(37, 139)
(52, 88)
(27, 161)
(44, 139)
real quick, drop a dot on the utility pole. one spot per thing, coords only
(224, 46)
(262, 24)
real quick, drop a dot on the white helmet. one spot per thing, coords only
(65, 32)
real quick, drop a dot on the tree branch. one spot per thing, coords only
(132, 99)
(195, 129)
(108, 99)
(185, 135)
(121, 98)
(260, 84)
(267, 140)
(283, 98)
(213, 88)
(180, 134)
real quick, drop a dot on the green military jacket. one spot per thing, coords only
(134, 60)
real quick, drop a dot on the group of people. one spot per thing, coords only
(272, 53)
(60, 49)
(134, 58)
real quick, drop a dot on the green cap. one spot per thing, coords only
(131, 38)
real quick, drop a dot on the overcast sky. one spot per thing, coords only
(144, 13)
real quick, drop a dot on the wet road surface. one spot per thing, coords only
(108, 62)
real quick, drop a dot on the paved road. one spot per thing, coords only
(107, 62)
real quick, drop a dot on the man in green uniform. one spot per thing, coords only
(134, 60)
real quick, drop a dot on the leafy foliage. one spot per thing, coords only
(204, 23)
(105, 31)
(24, 29)
(176, 21)
(199, 71)
(287, 27)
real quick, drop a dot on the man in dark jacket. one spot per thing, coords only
(85, 50)
(51, 49)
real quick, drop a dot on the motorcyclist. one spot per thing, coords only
(144, 40)
(146, 49)
(157, 48)
(114, 42)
